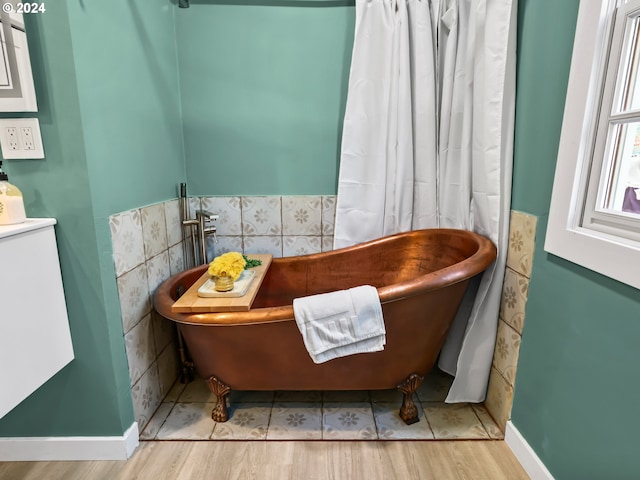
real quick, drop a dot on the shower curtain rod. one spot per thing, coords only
(280, 3)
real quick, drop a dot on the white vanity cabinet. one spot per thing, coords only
(35, 341)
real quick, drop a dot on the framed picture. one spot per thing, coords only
(17, 92)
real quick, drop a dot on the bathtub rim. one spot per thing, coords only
(471, 266)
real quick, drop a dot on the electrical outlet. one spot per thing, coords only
(11, 135)
(26, 135)
(20, 138)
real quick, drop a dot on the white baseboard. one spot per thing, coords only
(525, 454)
(69, 448)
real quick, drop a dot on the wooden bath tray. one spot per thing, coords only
(191, 302)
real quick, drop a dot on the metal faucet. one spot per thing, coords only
(204, 223)
(204, 217)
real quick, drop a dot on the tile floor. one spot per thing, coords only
(185, 414)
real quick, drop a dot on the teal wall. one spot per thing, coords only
(126, 68)
(576, 393)
(261, 95)
(106, 81)
(110, 101)
(263, 88)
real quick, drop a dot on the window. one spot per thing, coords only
(594, 218)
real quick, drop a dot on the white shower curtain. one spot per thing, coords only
(427, 142)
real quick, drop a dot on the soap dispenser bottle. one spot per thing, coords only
(11, 202)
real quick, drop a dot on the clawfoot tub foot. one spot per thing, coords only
(408, 410)
(220, 413)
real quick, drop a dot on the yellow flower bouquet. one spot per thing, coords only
(227, 265)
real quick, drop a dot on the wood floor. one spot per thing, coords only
(424, 460)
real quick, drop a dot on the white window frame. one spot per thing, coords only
(603, 250)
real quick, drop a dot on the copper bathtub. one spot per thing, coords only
(421, 277)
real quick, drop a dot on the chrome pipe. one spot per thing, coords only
(184, 209)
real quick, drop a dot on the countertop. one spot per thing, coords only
(26, 226)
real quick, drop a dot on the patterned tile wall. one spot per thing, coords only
(512, 311)
(148, 249)
(282, 226)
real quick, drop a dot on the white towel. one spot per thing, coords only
(341, 323)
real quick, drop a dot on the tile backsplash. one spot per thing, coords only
(282, 226)
(515, 288)
(148, 249)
